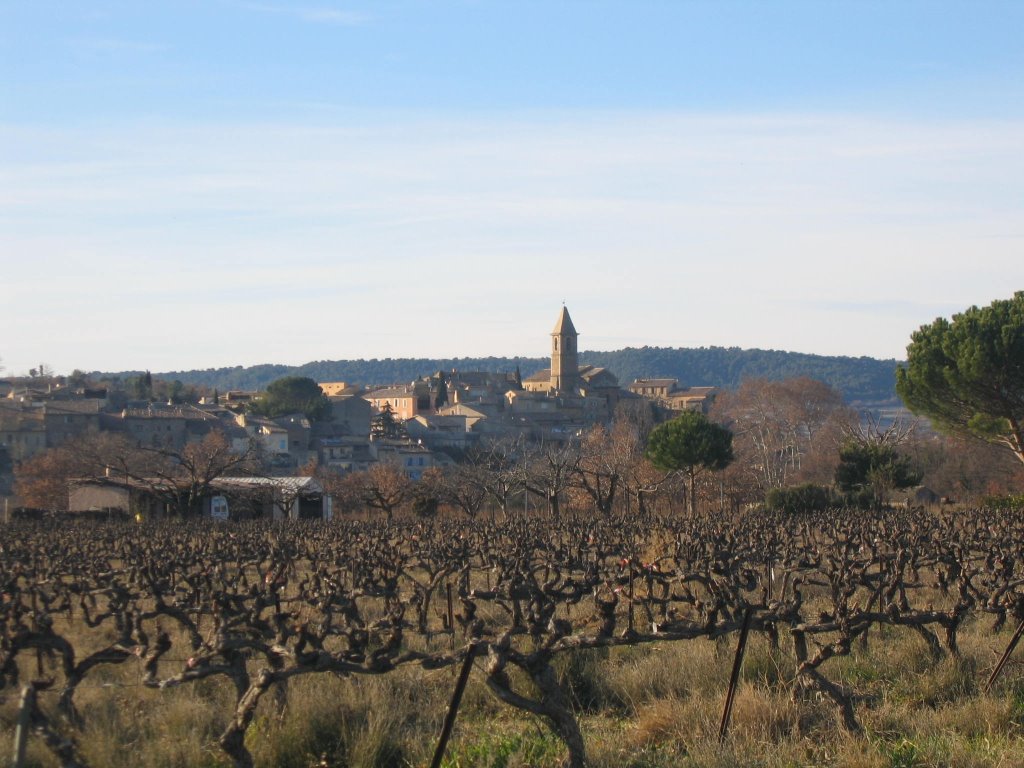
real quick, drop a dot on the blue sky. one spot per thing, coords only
(197, 184)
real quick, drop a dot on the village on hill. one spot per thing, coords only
(299, 447)
(419, 425)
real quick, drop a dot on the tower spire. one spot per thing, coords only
(564, 363)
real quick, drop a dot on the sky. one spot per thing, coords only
(207, 183)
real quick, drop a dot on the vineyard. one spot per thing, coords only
(639, 641)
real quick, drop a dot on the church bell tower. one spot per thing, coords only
(565, 369)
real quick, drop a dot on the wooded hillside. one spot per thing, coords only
(861, 380)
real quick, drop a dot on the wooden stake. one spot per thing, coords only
(35, 626)
(1005, 657)
(631, 596)
(453, 707)
(737, 664)
(28, 703)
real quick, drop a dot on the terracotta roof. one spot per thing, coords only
(293, 421)
(20, 422)
(655, 382)
(388, 392)
(462, 409)
(522, 394)
(587, 372)
(692, 392)
(252, 420)
(479, 378)
(233, 431)
(449, 423)
(73, 406)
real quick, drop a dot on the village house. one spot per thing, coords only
(402, 400)
(299, 430)
(161, 425)
(653, 388)
(338, 388)
(237, 400)
(350, 414)
(440, 432)
(345, 454)
(22, 430)
(479, 386)
(29, 426)
(412, 458)
(65, 419)
(490, 412)
(274, 439)
(668, 394)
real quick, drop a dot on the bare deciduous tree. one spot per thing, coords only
(383, 486)
(548, 470)
(460, 486)
(784, 431)
(499, 472)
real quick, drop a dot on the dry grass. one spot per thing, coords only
(648, 706)
(644, 708)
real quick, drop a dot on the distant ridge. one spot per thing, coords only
(860, 379)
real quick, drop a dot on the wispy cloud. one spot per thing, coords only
(791, 232)
(313, 14)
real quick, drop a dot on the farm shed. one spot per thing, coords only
(224, 498)
(295, 498)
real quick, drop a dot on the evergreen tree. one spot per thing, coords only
(386, 425)
(967, 375)
(868, 471)
(441, 399)
(293, 394)
(690, 444)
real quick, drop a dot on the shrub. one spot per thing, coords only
(1004, 503)
(800, 498)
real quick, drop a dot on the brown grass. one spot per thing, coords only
(645, 706)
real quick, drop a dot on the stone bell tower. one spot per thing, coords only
(565, 369)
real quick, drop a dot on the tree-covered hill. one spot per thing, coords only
(862, 379)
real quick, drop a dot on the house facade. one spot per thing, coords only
(403, 401)
(668, 394)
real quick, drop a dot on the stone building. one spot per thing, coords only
(566, 376)
(668, 394)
